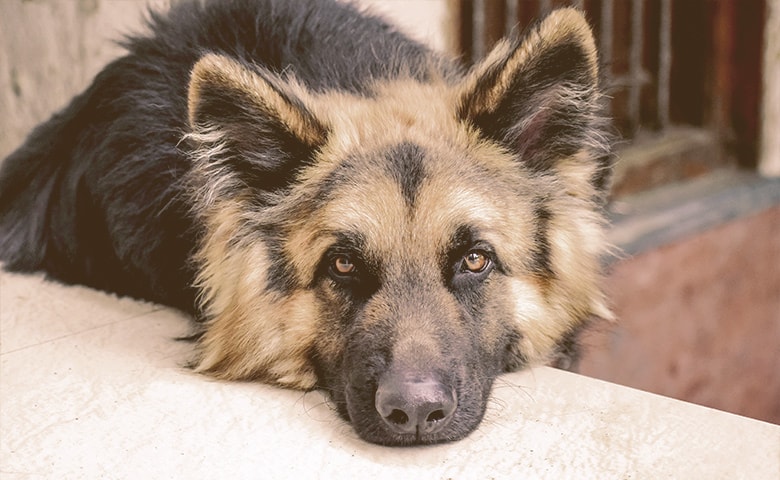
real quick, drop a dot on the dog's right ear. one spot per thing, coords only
(249, 122)
(538, 95)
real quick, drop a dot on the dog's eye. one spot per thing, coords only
(476, 261)
(343, 265)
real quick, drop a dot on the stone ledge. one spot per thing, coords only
(92, 386)
(664, 215)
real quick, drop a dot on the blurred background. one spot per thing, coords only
(694, 88)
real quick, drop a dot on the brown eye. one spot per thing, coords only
(475, 261)
(342, 265)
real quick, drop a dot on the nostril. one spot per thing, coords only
(435, 416)
(397, 417)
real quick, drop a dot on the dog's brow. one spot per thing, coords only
(464, 235)
(349, 241)
(405, 164)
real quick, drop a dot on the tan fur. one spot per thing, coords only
(220, 72)
(252, 333)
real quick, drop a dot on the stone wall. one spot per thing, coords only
(51, 49)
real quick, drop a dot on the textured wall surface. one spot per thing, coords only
(700, 320)
(51, 49)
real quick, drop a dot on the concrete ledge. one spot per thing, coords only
(664, 215)
(92, 386)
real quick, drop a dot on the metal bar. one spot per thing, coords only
(511, 15)
(478, 30)
(664, 63)
(635, 64)
(579, 4)
(607, 33)
(545, 6)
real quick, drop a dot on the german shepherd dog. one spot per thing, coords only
(339, 206)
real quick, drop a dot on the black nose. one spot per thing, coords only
(414, 406)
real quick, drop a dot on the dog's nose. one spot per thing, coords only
(414, 406)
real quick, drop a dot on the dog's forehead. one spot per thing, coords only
(414, 196)
(394, 112)
(402, 174)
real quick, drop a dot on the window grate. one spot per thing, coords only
(669, 66)
(490, 20)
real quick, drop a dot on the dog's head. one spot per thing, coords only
(402, 249)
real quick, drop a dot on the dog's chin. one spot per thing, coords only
(382, 436)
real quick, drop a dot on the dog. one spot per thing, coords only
(338, 206)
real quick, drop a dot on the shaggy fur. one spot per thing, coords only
(341, 207)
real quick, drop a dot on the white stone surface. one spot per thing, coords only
(429, 21)
(92, 386)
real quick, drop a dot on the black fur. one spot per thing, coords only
(541, 264)
(94, 195)
(405, 162)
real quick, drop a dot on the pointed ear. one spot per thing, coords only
(250, 122)
(538, 95)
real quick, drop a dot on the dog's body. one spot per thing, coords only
(342, 207)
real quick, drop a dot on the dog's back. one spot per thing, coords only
(94, 195)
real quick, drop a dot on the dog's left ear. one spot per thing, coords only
(538, 96)
(251, 126)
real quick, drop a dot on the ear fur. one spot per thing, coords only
(538, 95)
(251, 121)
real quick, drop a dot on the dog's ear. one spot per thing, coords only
(538, 96)
(250, 122)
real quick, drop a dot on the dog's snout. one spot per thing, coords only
(411, 406)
